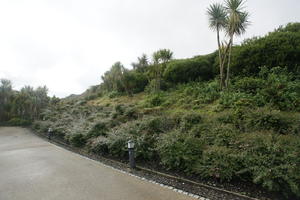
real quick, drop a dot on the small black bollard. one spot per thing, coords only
(131, 154)
(49, 133)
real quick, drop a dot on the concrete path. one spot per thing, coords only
(33, 169)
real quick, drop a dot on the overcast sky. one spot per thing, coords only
(68, 44)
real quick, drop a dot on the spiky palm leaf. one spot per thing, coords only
(216, 16)
(237, 22)
(237, 19)
(217, 21)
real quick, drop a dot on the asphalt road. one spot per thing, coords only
(33, 169)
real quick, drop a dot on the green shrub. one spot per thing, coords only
(222, 135)
(235, 99)
(203, 92)
(272, 161)
(218, 162)
(155, 100)
(41, 126)
(135, 81)
(19, 122)
(279, 48)
(77, 140)
(117, 143)
(189, 120)
(36, 125)
(182, 71)
(113, 94)
(100, 146)
(249, 85)
(281, 91)
(156, 125)
(179, 151)
(99, 129)
(131, 113)
(119, 109)
(145, 147)
(262, 119)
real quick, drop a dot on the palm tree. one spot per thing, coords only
(160, 59)
(217, 21)
(141, 64)
(237, 22)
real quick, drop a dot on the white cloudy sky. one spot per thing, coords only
(68, 44)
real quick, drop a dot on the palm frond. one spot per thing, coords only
(217, 16)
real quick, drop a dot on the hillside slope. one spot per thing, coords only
(248, 133)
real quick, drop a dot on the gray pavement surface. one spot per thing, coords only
(33, 169)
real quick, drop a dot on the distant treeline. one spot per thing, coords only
(22, 107)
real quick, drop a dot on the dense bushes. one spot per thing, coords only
(18, 122)
(218, 162)
(203, 92)
(97, 130)
(135, 81)
(78, 140)
(276, 88)
(182, 71)
(179, 151)
(272, 161)
(279, 48)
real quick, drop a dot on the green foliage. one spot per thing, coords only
(21, 107)
(279, 48)
(270, 120)
(182, 71)
(290, 27)
(179, 151)
(119, 109)
(272, 161)
(249, 85)
(203, 92)
(40, 126)
(131, 113)
(233, 99)
(218, 162)
(77, 140)
(135, 82)
(113, 94)
(100, 147)
(142, 64)
(18, 122)
(145, 147)
(155, 100)
(117, 144)
(164, 85)
(281, 92)
(99, 129)
(189, 120)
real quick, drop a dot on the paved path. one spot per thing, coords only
(33, 169)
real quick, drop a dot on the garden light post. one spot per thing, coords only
(131, 154)
(49, 133)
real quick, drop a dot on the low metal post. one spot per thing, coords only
(131, 154)
(49, 133)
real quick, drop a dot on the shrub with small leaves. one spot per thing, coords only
(179, 151)
(77, 140)
(218, 162)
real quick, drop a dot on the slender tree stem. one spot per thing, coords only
(228, 64)
(220, 59)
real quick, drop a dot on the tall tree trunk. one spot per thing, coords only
(220, 60)
(228, 64)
